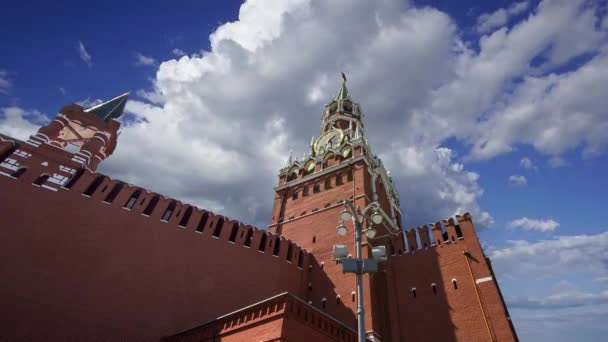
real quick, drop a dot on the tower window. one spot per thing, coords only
(350, 176)
(328, 183)
(314, 239)
(414, 292)
(434, 288)
(339, 179)
(317, 187)
(305, 191)
(41, 180)
(294, 196)
(352, 295)
(324, 302)
(455, 284)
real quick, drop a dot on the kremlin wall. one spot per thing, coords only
(87, 257)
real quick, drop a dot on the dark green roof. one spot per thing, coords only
(111, 109)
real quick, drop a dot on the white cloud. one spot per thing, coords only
(528, 164)
(562, 299)
(178, 52)
(84, 54)
(525, 223)
(518, 180)
(88, 102)
(5, 82)
(144, 60)
(489, 21)
(559, 256)
(62, 91)
(20, 123)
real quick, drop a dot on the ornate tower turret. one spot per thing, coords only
(310, 194)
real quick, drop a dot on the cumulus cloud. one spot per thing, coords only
(528, 164)
(220, 123)
(525, 223)
(489, 21)
(84, 54)
(144, 60)
(559, 256)
(5, 82)
(518, 180)
(20, 123)
(567, 298)
(178, 52)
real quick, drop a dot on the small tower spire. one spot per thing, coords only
(343, 92)
(111, 109)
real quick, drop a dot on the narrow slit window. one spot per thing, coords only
(300, 259)
(352, 295)
(324, 302)
(289, 252)
(455, 284)
(131, 201)
(218, 227)
(434, 288)
(151, 205)
(184, 221)
(262, 246)
(277, 246)
(234, 232)
(169, 211)
(115, 190)
(203, 222)
(95, 185)
(248, 237)
(414, 292)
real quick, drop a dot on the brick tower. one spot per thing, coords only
(309, 198)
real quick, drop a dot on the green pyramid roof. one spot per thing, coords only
(110, 109)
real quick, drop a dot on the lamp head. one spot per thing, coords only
(371, 233)
(341, 229)
(376, 217)
(345, 215)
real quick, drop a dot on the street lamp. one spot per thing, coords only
(360, 266)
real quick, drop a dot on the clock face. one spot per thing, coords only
(329, 140)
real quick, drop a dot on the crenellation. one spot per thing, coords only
(425, 241)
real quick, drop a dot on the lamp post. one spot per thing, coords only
(359, 266)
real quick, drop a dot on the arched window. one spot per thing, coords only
(414, 292)
(324, 302)
(352, 295)
(41, 180)
(434, 288)
(337, 299)
(455, 284)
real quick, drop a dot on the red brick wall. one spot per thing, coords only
(74, 266)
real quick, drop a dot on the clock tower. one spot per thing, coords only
(310, 196)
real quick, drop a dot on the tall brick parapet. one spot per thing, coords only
(450, 284)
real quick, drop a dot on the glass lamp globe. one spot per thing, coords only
(341, 230)
(371, 232)
(376, 217)
(345, 215)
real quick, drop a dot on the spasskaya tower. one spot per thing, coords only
(310, 195)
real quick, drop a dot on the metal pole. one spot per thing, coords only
(360, 309)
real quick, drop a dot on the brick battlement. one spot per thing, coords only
(420, 239)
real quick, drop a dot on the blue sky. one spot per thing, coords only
(492, 107)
